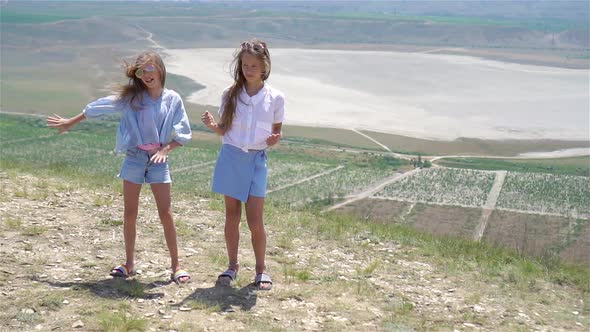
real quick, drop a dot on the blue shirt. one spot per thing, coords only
(155, 121)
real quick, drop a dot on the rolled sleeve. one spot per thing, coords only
(182, 127)
(279, 108)
(102, 106)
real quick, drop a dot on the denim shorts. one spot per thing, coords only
(138, 168)
(239, 174)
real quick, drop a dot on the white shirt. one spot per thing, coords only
(254, 117)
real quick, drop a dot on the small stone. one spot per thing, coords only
(478, 309)
(185, 309)
(469, 325)
(78, 324)
(140, 300)
(100, 256)
(77, 279)
(166, 316)
(161, 311)
(575, 312)
(65, 302)
(149, 314)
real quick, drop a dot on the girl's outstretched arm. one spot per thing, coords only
(64, 124)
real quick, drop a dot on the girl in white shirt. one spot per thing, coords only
(251, 114)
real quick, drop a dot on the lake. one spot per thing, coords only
(414, 94)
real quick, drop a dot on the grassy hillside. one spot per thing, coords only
(60, 223)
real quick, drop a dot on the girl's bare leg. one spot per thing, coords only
(233, 214)
(254, 215)
(161, 193)
(131, 193)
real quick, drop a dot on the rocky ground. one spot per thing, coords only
(59, 240)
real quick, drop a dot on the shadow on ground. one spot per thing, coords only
(226, 297)
(113, 288)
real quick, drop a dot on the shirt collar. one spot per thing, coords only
(257, 98)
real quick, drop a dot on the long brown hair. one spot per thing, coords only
(256, 48)
(133, 91)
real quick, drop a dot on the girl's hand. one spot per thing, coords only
(63, 124)
(273, 139)
(161, 155)
(208, 120)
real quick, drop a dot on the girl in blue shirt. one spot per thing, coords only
(153, 123)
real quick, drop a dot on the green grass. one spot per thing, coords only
(9, 16)
(26, 13)
(120, 322)
(131, 288)
(34, 230)
(13, 223)
(567, 166)
(52, 301)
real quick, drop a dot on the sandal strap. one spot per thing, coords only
(262, 277)
(123, 269)
(231, 273)
(179, 274)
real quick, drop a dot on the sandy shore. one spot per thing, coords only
(414, 94)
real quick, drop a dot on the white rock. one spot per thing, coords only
(78, 324)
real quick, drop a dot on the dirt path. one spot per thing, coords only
(306, 179)
(374, 189)
(490, 204)
(150, 39)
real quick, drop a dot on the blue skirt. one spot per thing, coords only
(239, 174)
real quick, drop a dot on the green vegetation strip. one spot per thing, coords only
(565, 166)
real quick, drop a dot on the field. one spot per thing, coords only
(293, 173)
(443, 186)
(570, 166)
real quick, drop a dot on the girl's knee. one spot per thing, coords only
(165, 214)
(233, 217)
(130, 215)
(257, 229)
